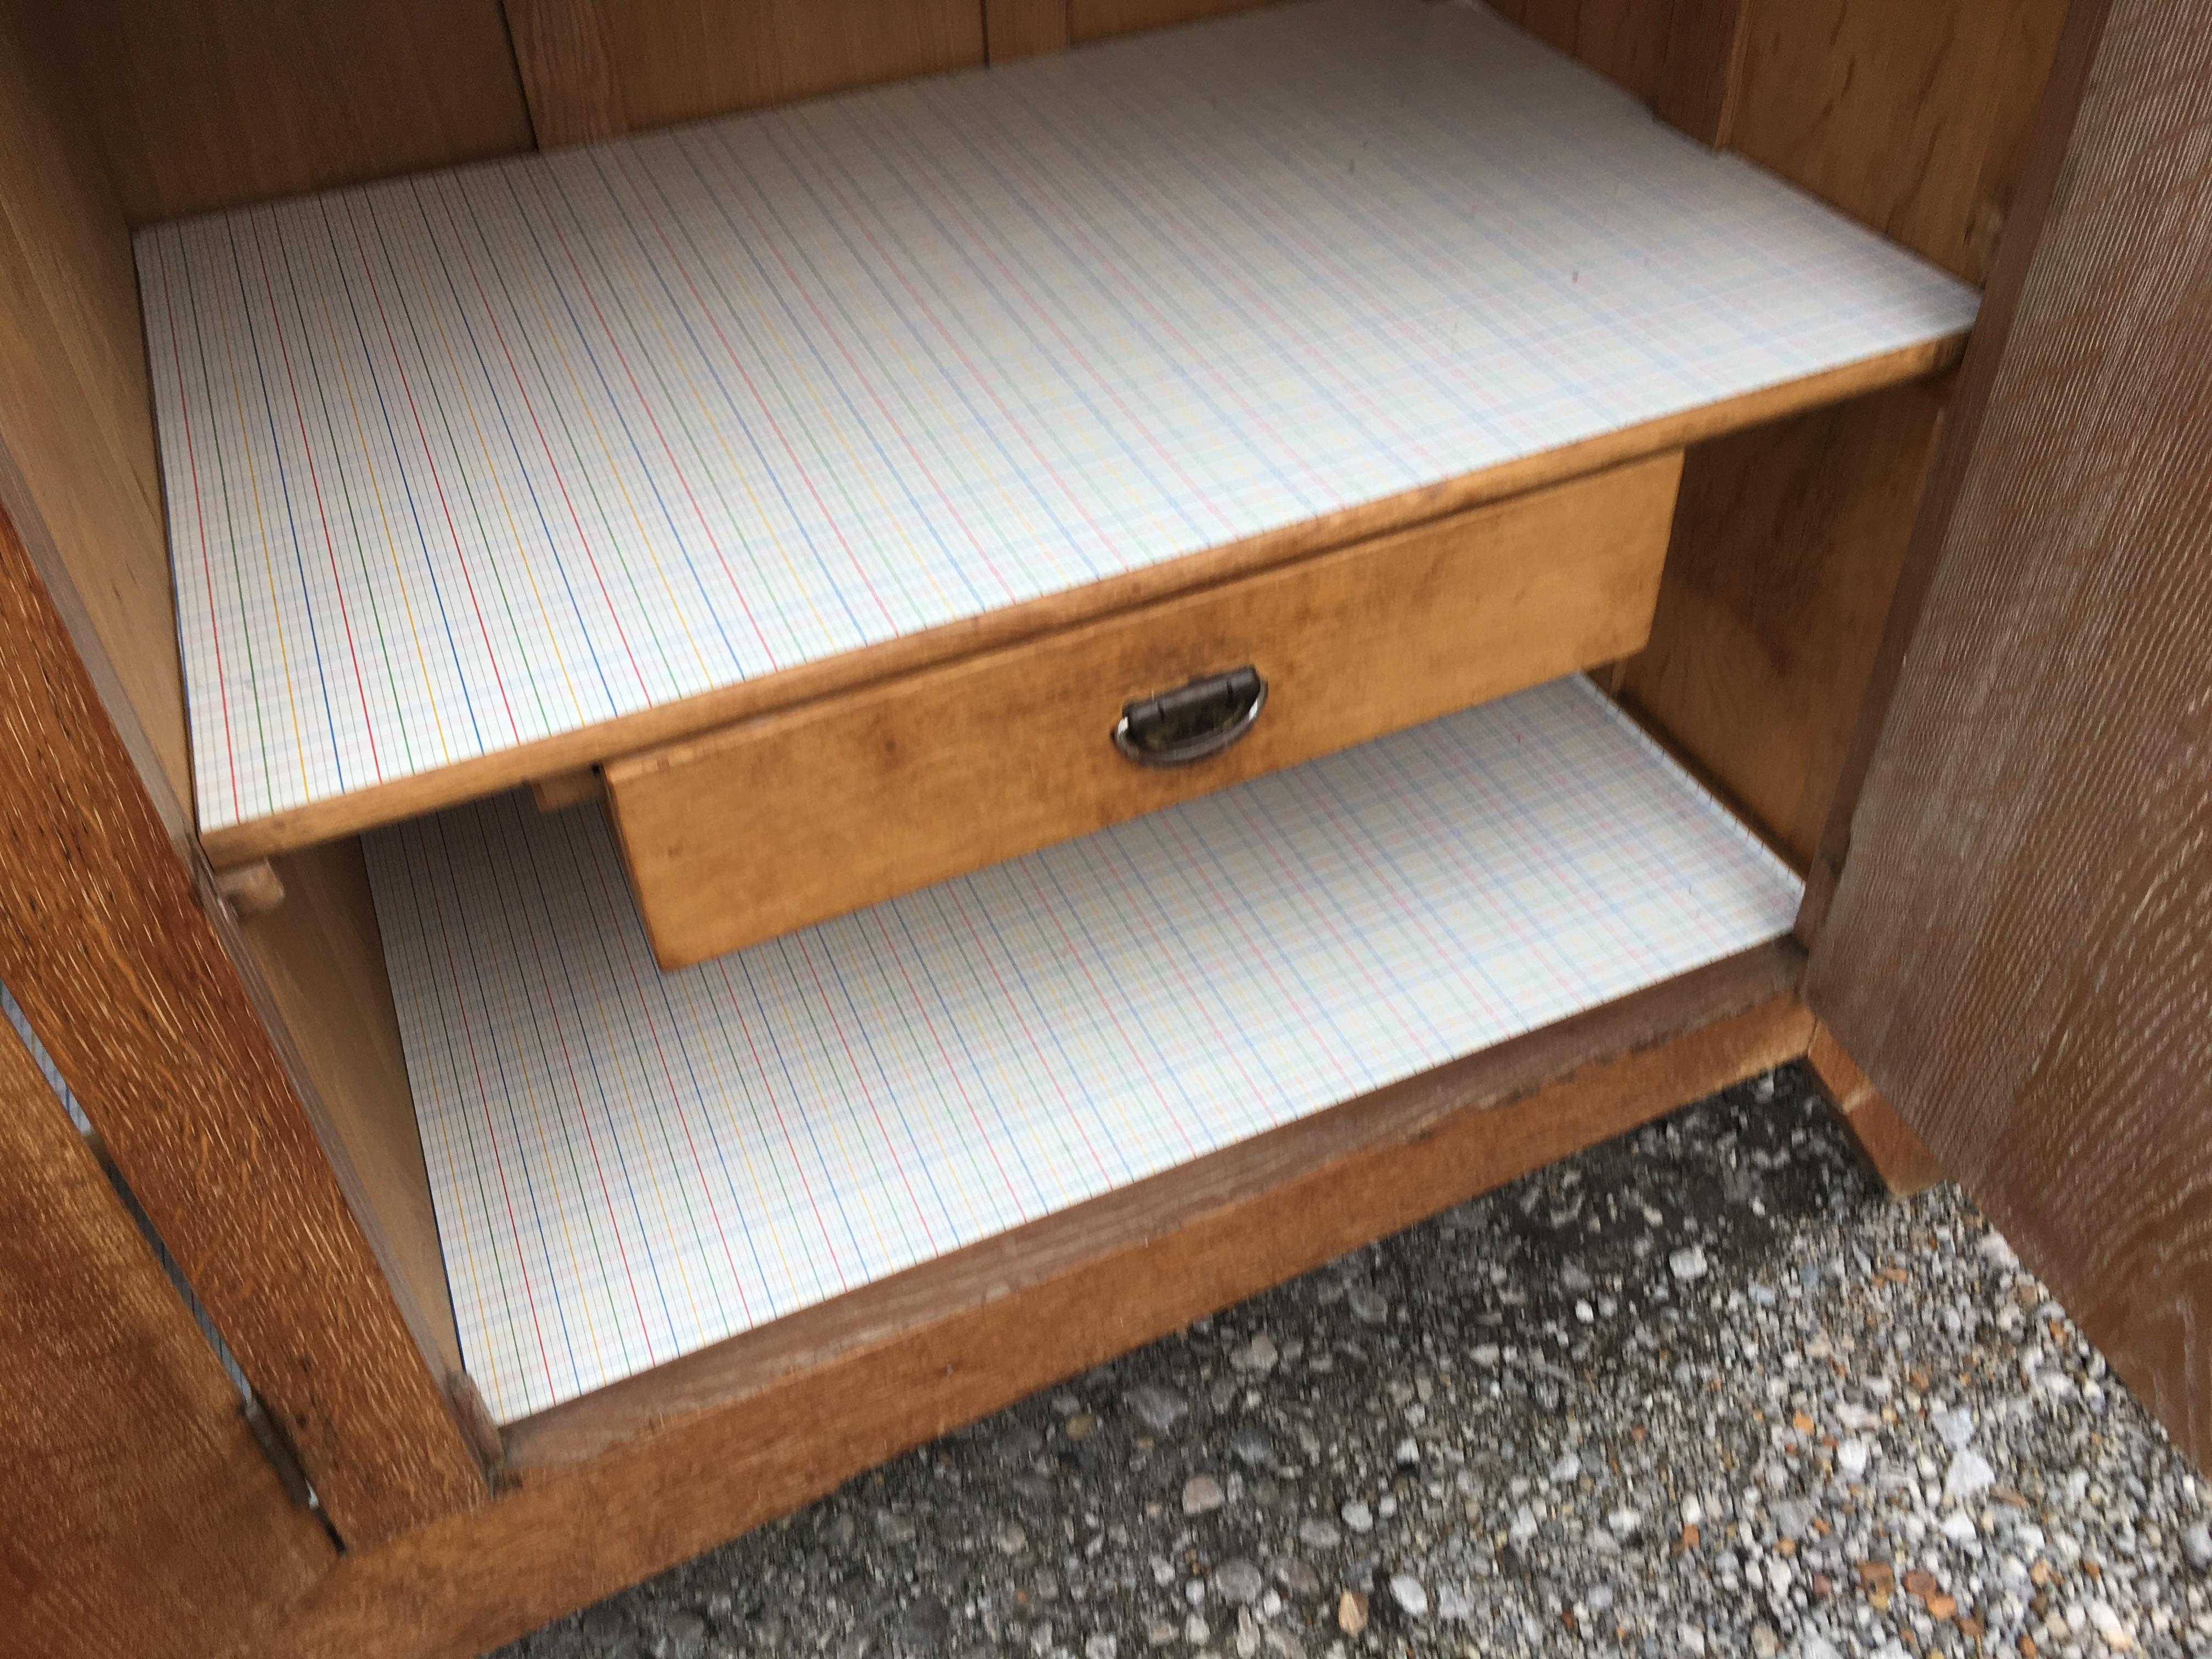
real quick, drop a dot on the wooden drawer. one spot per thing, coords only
(783, 820)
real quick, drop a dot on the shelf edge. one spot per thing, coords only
(327, 819)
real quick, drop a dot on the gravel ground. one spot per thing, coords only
(1700, 1390)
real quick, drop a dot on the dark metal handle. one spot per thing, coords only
(1192, 721)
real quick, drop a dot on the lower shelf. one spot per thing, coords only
(627, 1166)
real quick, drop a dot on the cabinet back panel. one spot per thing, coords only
(597, 68)
(204, 104)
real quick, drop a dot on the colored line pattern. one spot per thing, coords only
(627, 1165)
(463, 460)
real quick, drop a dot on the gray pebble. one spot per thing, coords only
(1356, 1516)
(1238, 1582)
(1202, 1495)
(1521, 1419)
(1970, 1474)
(1158, 1409)
(1250, 1446)
(684, 1635)
(1406, 1590)
(1257, 1358)
(922, 1628)
(1688, 1263)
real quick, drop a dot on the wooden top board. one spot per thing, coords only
(484, 474)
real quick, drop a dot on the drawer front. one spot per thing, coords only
(783, 820)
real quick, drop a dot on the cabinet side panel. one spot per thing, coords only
(1787, 544)
(75, 407)
(1913, 118)
(104, 942)
(322, 957)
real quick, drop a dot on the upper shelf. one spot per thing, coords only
(488, 473)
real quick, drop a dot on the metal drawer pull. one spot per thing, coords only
(1192, 721)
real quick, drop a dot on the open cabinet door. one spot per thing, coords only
(140, 1517)
(2020, 949)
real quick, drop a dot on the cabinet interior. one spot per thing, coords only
(1787, 538)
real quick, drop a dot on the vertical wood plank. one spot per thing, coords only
(142, 1517)
(568, 76)
(1024, 28)
(1625, 41)
(1900, 112)
(103, 942)
(1555, 22)
(1787, 541)
(2021, 945)
(321, 955)
(1700, 77)
(204, 104)
(595, 67)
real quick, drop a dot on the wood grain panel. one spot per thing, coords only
(347, 814)
(75, 406)
(204, 104)
(1699, 83)
(622, 1483)
(1625, 41)
(787, 820)
(1900, 1157)
(1098, 20)
(1906, 115)
(594, 68)
(1023, 29)
(567, 70)
(2017, 951)
(123, 977)
(322, 956)
(1788, 540)
(133, 1482)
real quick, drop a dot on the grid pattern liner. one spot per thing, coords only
(628, 1166)
(460, 461)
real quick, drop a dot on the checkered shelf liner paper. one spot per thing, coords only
(628, 1166)
(466, 459)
